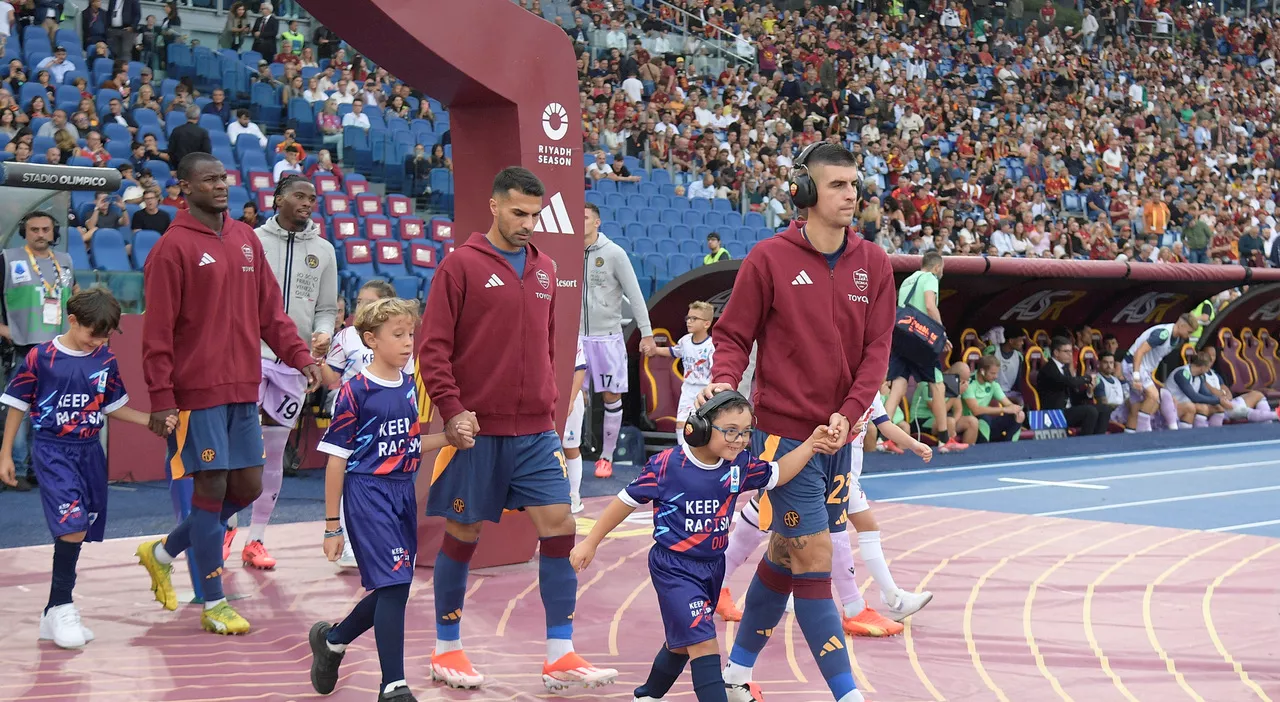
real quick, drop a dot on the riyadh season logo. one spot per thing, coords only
(555, 124)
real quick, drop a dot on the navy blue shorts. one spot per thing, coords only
(381, 515)
(902, 367)
(688, 589)
(498, 473)
(817, 499)
(226, 437)
(73, 485)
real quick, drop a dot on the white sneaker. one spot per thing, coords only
(348, 559)
(738, 693)
(791, 604)
(576, 506)
(61, 625)
(904, 604)
(646, 699)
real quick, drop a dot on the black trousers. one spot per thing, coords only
(1087, 418)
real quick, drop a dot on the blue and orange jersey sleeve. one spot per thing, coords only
(21, 391)
(759, 475)
(645, 488)
(340, 438)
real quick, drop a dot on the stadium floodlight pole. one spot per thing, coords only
(30, 186)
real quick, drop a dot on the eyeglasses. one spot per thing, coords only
(733, 435)
(692, 318)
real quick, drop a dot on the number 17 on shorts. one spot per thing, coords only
(606, 362)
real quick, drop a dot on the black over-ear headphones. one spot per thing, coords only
(804, 192)
(38, 214)
(697, 427)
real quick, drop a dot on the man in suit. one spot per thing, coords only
(1061, 388)
(266, 32)
(122, 17)
(189, 138)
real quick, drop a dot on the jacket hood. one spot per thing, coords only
(272, 227)
(794, 234)
(601, 242)
(480, 242)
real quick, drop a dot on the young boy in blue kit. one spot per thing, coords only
(693, 490)
(67, 386)
(374, 446)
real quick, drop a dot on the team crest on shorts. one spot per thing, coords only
(791, 519)
(313, 261)
(459, 505)
(207, 455)
(861, 280)
(247, 250)
(599, 261)
(544, 280)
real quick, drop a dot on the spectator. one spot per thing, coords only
(189, 138)
(236, 29)
(1009, 348)
(218, 106)
(151, 148)
(715, 252)
(242, 126)
(286, 55)
(58, 122)
(998, 418)
(266, 31)
(93, 23)
(704, 189)
(599, 169)
(116, 114)
(150, 216)
(289, 164)
(108, 212)
(324, 165)
(250, 215)
(330, 125)
(295, 38)
(173, 196)
(356, 117)
(7, 21)
(58, 65)
(1060, 388)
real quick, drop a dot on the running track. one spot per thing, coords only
(1100, 581)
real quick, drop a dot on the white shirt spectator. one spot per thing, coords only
(234, 130)
(56, 70)
(604, 169)
(1089, 25)
(6, 13)
(699, 190)
(633, 88)
(356, 120)
(616, 39)
(1003, 241)
(283, 167)
(315, 96)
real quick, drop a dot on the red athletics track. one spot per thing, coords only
(1025, 609)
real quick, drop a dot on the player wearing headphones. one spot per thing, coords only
(823, 349)
(693, 489)
(306, 269)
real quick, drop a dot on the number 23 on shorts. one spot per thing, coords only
(840, 483)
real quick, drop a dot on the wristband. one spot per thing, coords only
(333, 519)
(331, 534)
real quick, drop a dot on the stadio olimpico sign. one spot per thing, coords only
(48, 177)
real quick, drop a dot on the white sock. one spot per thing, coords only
(852, 696)
(162, 555)
(743, 541)
(273, 441)
(873, 556)
(612, 427)
(210, 605)
(842, 574)
(574, 466)
(558, 648)
(336, 648)
(443, 646)
(391, 686)
(735, 674)
(1184, 425)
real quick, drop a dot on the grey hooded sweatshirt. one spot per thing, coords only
(607, 276)
(307, 270)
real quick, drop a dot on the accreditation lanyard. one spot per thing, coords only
(51, 312)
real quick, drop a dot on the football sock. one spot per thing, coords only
(388, 631)
(1216, 420)
(65, 555)
(667, 667)
(558, 585)
(708, 681)
(574, 467)
(453, 563)
(360, 620)
(206, 544)
(1144, 421)
(843, 576)
(873, 556)
(820, 622)
(274, 439)
(765, 604)
(1262, 412)
(612, 425)
(1200, 421)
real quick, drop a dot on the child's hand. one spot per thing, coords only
(581, 556)
(170, 423)
(333, 547)
(924, 452)
(7, 471)
(858, 428)
(467, 434)
(824, 439)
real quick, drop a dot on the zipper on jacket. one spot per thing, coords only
(288, 271)
(524, 340)
(586, 308)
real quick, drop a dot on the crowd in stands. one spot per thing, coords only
(1125, 131)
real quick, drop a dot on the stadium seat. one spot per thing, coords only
(422, 257)
(969, 337)
(411, 229)
(326, 184)
(259, 181)
(1264, 374)
(1239, 376)
(408, 287)
(336, 205)
(1088, 361)
(356, 185)
(1035, 361)
(690, 246)
(345, 227)
(377, 227)
(389, 260)
(143, 240)
(399, 206)
(266, 200)
(368, 205)
(660, 384)
(971, 356)
(357, 257)
(107, 248)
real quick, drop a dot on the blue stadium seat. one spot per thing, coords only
(670, 216)
(701, 204)
(637, 202)
(649, 215)
(677, 264)
(79, 255)
(408, 287)
(691, 246)
(732, 220)
(692, 218)
(635, 230)
(658, 230)
(680, 231)
(659, 201)
(701, 231)
(753, 219)
(655, 265)
(713, 219)
(667, 246)
(721, 204)
(643, 246)
(107, 247)
(623, 242)
(626, 214)
(143, 240)
(615, 200)
(606, 186)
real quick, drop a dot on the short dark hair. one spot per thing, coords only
(1108, 337)
(729, 406)
(1107, 354)
(192, 161)
(830, 155)
(1202, 359)
(95, 308)
(1059, 341)
(713, 235)
(37, 214)
(521, 180)
(592, 206)
(988, 361)
(288, 182)
(930, 259)
(241, 113)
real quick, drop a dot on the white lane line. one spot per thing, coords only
(1127, 476)
(1064, 459)
(1161, 501)
(1052, 483)
(1250, 525)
